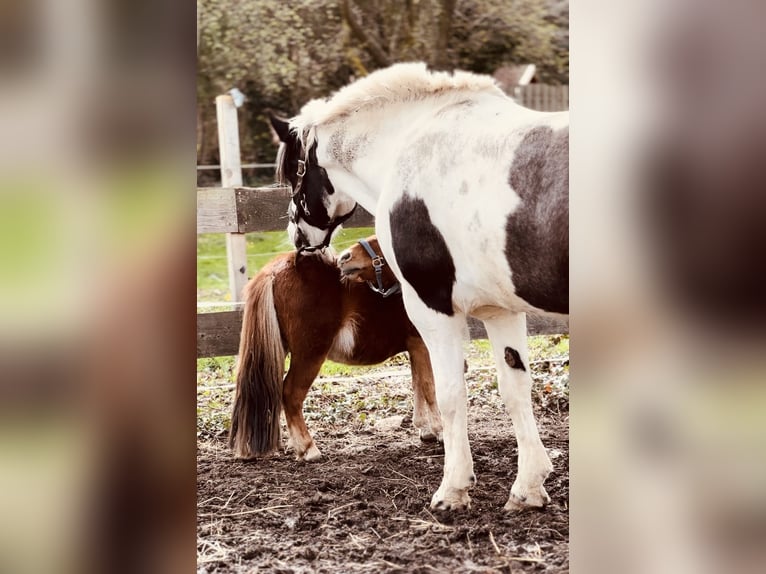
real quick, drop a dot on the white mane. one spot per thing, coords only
(397, 83)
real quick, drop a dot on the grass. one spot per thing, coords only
(343, 394)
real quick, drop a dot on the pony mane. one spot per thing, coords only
(395, 84)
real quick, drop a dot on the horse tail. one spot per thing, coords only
(261, 367)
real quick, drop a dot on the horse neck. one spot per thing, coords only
(388, 278)
(384, 133)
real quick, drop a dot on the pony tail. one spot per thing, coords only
(261, 368)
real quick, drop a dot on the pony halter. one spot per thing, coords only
(377, 264)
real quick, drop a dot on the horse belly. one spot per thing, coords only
(371, 337)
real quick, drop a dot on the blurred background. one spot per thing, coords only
(668, 201)
(103, 117)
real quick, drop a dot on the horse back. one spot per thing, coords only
(308, 299)
(314, 307)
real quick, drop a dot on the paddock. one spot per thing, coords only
(363, 507)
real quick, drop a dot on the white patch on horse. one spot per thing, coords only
(345, 340)
(337, 207)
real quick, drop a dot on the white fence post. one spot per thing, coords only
(231, 176)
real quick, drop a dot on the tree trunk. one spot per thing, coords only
(371, 44)
(441, 57)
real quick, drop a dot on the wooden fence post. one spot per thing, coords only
(231, 176)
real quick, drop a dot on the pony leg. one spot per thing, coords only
(443, 335)
(297, 383)
(508, 334)
(426, 417)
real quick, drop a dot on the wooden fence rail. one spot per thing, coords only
(218, 332)
(250, 209)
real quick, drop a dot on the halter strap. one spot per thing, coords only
(377, 264)
(302, 163)
(299, 195)
(326, 243)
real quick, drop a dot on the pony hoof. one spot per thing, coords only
(453, 499)
(536, 498)
(311, 455)
(428, 436)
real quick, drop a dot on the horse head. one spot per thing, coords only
(316, 209)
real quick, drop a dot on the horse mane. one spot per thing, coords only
(395, 84)
(280, 175)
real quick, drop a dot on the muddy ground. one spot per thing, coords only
(365, 506)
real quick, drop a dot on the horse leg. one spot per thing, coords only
(443, 335)
(296, 386)
(507, 332)
(426, 417)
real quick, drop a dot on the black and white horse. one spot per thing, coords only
(470, 195)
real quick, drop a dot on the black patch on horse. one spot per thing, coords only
(314, 183)
(309, 203)
(513, 359)
(422, 253)
(537, 233)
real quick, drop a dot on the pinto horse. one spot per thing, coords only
(470, 193)
(297, 303)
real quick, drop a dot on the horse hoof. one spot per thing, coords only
(533, 498)
(452, 499)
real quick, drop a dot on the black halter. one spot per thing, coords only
(302, 160)
(299, 196)
(377, 264)
(328, 237)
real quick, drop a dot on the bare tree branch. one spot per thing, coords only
(444, 28)
(371, 44)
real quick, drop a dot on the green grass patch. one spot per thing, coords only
(548, 347)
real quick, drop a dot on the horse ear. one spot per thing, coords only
(282, 127)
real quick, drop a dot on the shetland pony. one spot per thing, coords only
(298, 304)
(470, 195)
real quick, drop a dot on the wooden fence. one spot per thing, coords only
(236, 210)
(543, 97)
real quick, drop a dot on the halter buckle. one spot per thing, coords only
(378, 262)
(301, 168)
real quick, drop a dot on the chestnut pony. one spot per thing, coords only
(305, 305)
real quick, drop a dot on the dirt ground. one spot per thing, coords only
(364, 506)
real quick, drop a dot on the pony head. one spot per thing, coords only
(316, 210)
(364, 263)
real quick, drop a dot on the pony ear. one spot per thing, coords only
(282, 127)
